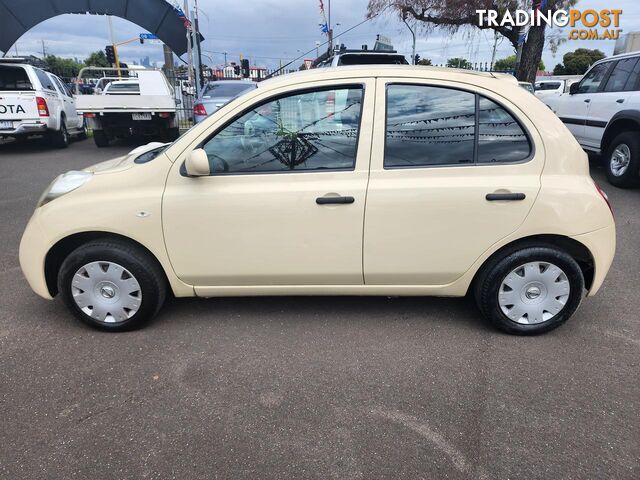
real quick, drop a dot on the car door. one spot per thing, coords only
(428, 217)
(68, 103)
(611, 99)
(573, 110)
(284, 204)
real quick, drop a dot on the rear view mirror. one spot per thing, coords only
(197, 163)
(573, 88)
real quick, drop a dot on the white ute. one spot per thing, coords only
(35, 102)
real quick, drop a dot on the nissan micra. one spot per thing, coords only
(370, 180)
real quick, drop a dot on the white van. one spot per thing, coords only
(35, 102)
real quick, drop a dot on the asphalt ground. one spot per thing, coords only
(326, 388)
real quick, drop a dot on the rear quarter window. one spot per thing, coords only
(45, 80)
(14, 79)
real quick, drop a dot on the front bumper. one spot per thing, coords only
(25, 128)
(602, 245)
(33, 251)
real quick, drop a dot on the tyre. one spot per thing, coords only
(623, 160)
(112, 285)
(60, 138)
(100, 138)
(530, 291)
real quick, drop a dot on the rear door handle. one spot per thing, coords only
(334, 200)
(492, 197)
(587, 100)
(620, 100)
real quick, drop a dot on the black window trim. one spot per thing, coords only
(605, 79)
(273, 98)
(532, 145)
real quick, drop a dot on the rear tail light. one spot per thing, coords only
(43, 109)
(164, 114)
(198, 109)
(89, 115)
(331, 104)
(605, 196)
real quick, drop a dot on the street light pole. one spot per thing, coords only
(413, 34)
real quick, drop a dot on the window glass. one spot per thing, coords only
(620, 75)
(60, 86)
(429, 126)
(14, 79)
(125, 88)
(45, 80)
(548, 85)
(633, 82)
(226, 89)
(592, 80)
(500, 137)
(307, 131)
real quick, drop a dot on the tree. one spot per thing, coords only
(425, 61)
(97, 59)
(578, 62)
(453, 15)
(63, 67)
(509, 64)
(457, 62)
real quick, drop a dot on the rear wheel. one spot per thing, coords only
(100, 138)
(60, 138)
(112, 285)
(623, 160)
(530, 291)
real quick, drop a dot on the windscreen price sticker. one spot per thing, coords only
(586, 24)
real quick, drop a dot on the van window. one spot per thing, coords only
(314, 130)
(14, 79)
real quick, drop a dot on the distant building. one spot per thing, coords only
(629, 42)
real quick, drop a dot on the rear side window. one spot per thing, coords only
(431, 126)
(14, 79)
(548, 86)
(45, 80)
(622, 77)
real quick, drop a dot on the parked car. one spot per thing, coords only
(215, 94)
(554, 86)
(603, 113)
(143, 105)
(527, 86)
(35, 102)
(471, 185)
(344, 56)
(185, 87)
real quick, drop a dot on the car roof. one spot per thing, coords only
(372, 71)
(617, 57)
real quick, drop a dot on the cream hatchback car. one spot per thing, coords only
(369, 180)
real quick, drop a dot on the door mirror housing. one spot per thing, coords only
(197, 163)
(573, 88)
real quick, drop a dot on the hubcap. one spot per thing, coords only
(620, 159)
(534, 293)
(106, 291)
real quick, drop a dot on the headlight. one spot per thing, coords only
(64, 183)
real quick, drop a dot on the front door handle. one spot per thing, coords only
(587, 100)
(620, 100)
(493, 197)
(334, 200)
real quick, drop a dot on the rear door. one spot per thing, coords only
(612, 98)
(68, 103)
(437, 152)
(17, 96)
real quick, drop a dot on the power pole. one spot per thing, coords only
(44, 51)
(198, 46)
(330, 32)
(413, 34)
(189, 44)
(493, 53)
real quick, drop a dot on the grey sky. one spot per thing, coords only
(268, 30)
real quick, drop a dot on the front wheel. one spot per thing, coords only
(111, 285)
(530, 291)
(623, 160)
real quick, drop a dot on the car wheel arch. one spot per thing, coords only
(578, 251)
(63, 247)
(626, 120)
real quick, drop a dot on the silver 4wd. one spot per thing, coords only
(603, 113)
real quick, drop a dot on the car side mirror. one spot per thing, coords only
(197, 163)
(573, 88)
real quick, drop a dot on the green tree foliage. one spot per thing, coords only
(425, 61)
(97, 59)
(457, 62)
(578, 62)
(509, 63)
(63, 67)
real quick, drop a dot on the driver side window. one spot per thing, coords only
(314, 130)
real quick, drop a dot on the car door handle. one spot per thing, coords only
(620, 100)
(334, 200)
(587, 100)
(493, 197)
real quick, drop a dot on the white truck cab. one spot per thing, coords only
(35, 102)
(603, 113)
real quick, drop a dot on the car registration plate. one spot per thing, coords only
(6, 125)
(141, 116)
